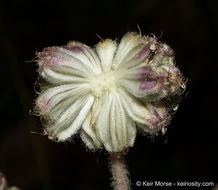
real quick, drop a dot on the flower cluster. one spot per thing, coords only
(107, 93)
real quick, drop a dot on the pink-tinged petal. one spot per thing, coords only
(148, 84)
(141, 88)
(151, 83)
(71, 61)
(131, 41)
(135, 109)
(88, 52)
(141, 81)
(144, 53)
(75, 49)
(138, 52)
(160, 117)
(163, 52)
(172, 79)
(148, 70)
(48, 99)
(151, 46)
(152, 118)
(55, 60)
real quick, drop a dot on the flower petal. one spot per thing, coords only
(51, 97)
(122, 130)
(87, 140)
(102, 126)
(68, 64)
(61, 58)
(76, 124)
(131, 130)
(128, 42)
(152, 83)
(158, 121)
(106, 51)
(118, 124)
(88, 128)
(151, 117)
(89, 54)
(140, 81)
(62, 116)
(60, 76)
(114, 128)
(135, 110)
(133, 50)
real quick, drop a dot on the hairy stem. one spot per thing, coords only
(119, 172)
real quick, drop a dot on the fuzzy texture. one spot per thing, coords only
(108, 92)
(120, 180)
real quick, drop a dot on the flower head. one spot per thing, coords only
(108, 92)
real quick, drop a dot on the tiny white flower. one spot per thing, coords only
(106, 93)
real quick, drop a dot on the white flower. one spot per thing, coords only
(107, 93)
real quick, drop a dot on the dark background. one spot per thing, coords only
(188, 151)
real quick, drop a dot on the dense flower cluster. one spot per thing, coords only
(108, 92)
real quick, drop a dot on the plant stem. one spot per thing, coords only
(119, 172)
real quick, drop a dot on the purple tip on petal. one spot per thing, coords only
(75, 49)
(145, 69)
(146, 72)
(166, 50)
(48, 51)
(148, 85)
(143, 54)
(149, 79)
(43, 105)
(176, 72)
(157, 113)
(151, 46)
(56, 60)
(153, 121)
(160, 117)
(51, 56)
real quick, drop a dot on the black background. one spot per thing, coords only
(189, 150)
